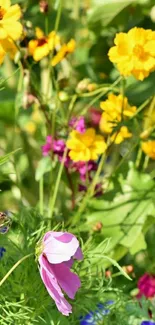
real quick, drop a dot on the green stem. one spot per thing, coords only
(146, 161)
(14, 267)
(100, 95)
(56, 188)
(41, 195)
(139, 156)
(58, 16)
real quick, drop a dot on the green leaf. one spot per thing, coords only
(5, 158)
(124, 218)
(104, 13)
(44, 166)
(138, 245)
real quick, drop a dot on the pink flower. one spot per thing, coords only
(56, 260)
(48, 146)
(95, 116)
(85, 169)
(146, 286)
(78, 123)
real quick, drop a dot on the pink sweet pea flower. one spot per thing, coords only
(146, 286)
(59, 251)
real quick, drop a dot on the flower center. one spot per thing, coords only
(42, 41)
(139, 51)
(2, 13)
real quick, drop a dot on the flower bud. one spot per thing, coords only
(43, 4)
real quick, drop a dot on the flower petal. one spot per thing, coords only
(60, 247)
(67, 280)
(53, 288)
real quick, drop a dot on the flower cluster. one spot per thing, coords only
(43, 45)
(116, 109)
(10, 28)
(134, 52)
(57, 252)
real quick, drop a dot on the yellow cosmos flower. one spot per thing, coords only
(134, 52)
(85, 146)
(64, 50)
(115, 109)
(42, 45)
(149, 148)
(120, 136)
(9, 26)
(7, 46)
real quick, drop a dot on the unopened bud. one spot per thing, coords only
(98, 226)
(108, 274)
(63, 96)
(92, 87)
(43, 4)
(82, 85)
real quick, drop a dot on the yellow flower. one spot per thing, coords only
(149, 148)
(85, 146)
(64, 50)
(7, 46)
(115, 109)
(121, 135)
(30, 127)
(42, 45)
(134, 52)
(9, 26)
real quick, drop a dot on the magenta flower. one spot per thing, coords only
(95, 116)
(85, 169)
(48, 146)
(59, 251)
(146, 286)
(78, 123)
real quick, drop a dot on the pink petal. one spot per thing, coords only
(53, 288)
(78, 255)
(67, 280)
(60, 247)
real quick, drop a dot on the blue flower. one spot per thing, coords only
(2, 251)
(94, 317)
(147, 322)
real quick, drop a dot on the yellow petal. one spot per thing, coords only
(13, 13)
(3, 33)
(13, 29)
(39, 33)
(40, 52)
(5, 4)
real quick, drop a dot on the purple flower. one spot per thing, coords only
(59, 249)
(78, 123)
(2, 251)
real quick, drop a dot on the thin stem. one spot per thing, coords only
(146, 161)
(100, 95)
(41, 195)
(54, 196)
(139, 156)
(14, 267)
